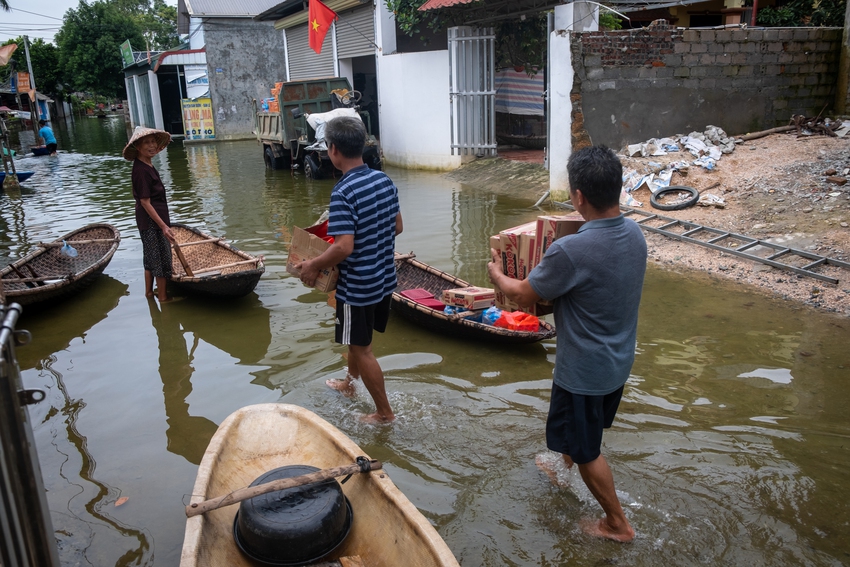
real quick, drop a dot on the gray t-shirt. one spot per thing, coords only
(595, 278)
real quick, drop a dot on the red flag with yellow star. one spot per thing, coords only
(321, 18)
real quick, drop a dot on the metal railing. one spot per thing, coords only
(26, 532)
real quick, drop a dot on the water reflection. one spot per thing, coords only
(188, 435)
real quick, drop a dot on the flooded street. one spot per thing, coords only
(731, 446)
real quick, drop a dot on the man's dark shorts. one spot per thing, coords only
(355, 324)
(575, 423)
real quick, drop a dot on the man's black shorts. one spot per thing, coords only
(354, 324)
(575, 423)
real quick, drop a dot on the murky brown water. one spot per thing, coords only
(731, 445)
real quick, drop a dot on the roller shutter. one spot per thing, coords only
(304, 63)
(349, 41)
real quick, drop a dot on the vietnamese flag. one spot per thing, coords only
(321, 18)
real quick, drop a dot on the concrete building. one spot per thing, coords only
(243, 58)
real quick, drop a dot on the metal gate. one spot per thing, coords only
(472, 90)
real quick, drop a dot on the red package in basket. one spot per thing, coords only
(518, 321)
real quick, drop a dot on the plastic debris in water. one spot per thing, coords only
(68, 250)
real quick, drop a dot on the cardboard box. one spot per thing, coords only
(510, 247)
(470, 297)
(552, 227)
(306, 246)
(539, 309)
(527, 253)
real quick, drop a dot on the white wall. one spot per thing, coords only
(196, 33)
(414, 110)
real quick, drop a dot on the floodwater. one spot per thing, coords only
(731, 445)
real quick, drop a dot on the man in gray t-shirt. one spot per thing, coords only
(595, 278)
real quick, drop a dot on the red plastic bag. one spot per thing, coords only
(518, 321)
(321, 230)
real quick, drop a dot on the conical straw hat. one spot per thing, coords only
(163, 138)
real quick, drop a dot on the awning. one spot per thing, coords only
(434, 4)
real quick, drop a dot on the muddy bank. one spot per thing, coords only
(782, 188)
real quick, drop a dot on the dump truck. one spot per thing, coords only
(291, 131)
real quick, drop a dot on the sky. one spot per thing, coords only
(37, 18)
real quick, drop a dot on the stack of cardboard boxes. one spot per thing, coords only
(522, 248)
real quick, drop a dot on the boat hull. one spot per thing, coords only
(60, 276)
(230, 282)
(387, 530)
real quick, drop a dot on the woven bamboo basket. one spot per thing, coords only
(48, 274)
(413, 274)
(218, 269)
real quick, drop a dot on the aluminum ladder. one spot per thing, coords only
(738, 245)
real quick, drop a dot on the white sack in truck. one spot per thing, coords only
(318, 120)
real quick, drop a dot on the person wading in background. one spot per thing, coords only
(595, 278)
(364, 220)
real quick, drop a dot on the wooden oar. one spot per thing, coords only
(280, 484)
(183, 261)
(219, 268)
(193, 243)
(92, 241)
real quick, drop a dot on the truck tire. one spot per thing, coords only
(273, 162)
(312, 169)
(373, 160)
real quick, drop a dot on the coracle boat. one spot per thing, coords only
(379, 528)
(22, 176)
(60, 268)
(212, 266)
(413, 274)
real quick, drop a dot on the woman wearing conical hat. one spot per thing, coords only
(152, 216)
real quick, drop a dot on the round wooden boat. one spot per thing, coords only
(386, 531)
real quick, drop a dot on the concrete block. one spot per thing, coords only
(708, 59)
(801, 34)
(793, 47)
(690, 59)
(699, 71)
(706, 36)
(739, 35)
(607, 85)
(802, 91)
(739, 59)
(690, 35)
(665, 72)
(723, 36)
(731, 47)
(749, 47)
(824, 46)
(779, 104)
(595, 73)
(810, 79)
(746, 70)
(774, 47)
(707, 83)
(785, 58)
(730, 71)
(672, 60)
(786, 34)
(690, 83)
(756, 35)
(681, 47)
(592, 60)
(801, 59)
(716, 47)
(770, 58)
(682, 72)
(699, 48)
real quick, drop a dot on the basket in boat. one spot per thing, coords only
(413, 274)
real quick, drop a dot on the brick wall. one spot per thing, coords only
(632, 85)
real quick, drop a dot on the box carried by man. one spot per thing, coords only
(471, 298)
(308, 244)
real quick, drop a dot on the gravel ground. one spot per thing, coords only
(782, 188)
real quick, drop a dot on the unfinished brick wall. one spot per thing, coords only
(632, 85)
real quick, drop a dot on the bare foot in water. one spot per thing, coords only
(344, 387)
(376, 419)
(550, 465)
(601, 528)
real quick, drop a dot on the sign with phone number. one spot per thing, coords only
(198, 121)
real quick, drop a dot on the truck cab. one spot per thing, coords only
(288, 128)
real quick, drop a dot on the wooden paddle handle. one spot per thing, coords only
(183, 261)
(280, 484)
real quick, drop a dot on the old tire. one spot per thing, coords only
(679, 205)
(273, 162)
(312, 168)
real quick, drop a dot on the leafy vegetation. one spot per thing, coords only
(803, 13)
(45, 63)
(609, 21)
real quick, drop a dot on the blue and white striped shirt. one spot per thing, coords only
(365, 203)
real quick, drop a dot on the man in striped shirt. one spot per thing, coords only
(364, 220)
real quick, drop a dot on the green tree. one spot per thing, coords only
(5, 5)
(804, 13)
(156, 19)
(45, 63)
(89, 47)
